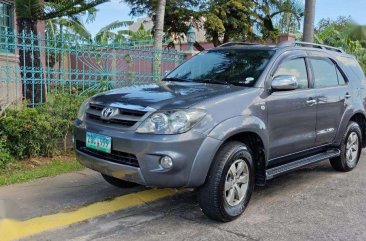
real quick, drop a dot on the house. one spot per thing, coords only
(10, 87)
(10, 79)
(179, 42)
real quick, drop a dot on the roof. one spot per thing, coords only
(283, 45)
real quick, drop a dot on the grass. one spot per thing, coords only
(52, 168)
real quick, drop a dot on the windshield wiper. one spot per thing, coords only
(213, 81)
(175, 79)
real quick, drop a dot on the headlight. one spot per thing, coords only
(171, 122)
(84, 106)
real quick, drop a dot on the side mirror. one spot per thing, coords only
(284, 82)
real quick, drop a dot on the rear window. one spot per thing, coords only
(354, 66)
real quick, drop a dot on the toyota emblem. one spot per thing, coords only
(109, 112)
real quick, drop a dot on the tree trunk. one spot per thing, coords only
(158, 39)
(159, 25)
(308, 33)
(215, 39)
(30, 61)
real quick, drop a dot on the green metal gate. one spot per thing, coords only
(32, 67)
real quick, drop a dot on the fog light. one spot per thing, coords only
(166, 162)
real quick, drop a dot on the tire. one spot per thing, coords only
(348, 160)
(214, 201)
(118, 182)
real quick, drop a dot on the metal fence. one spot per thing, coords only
(32, 67)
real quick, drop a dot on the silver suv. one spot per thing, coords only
(227, 119)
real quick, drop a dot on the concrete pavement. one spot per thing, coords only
(314, 203)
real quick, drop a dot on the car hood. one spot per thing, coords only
(164, 95)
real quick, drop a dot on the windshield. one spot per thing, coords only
(225, 66)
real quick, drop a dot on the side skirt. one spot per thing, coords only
(291, 166)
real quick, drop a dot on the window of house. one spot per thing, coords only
(6, 27)
(6, 18)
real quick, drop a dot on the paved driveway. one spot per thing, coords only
(315, 203)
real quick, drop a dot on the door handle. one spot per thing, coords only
(311, 102)
(347, 96)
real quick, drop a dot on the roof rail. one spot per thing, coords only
(228, 44)
(321, 46)
(308, 44)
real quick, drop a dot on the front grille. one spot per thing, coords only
(114, 156)
(111, 121)
(124, 117)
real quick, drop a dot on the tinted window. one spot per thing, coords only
(228, 66)
(341, 80)
(352, 64)
(324, 72)
(297, 68)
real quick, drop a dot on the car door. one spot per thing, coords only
(291, 114)
(332, 93)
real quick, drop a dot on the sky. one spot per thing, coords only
(117, 10)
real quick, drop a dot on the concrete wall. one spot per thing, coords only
(10, 84)
(10, 80)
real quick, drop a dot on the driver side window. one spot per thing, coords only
(297, 68)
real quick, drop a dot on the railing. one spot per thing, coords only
(32, 67)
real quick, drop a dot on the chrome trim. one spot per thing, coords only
(325, 131)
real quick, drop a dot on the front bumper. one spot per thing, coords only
(192, 153)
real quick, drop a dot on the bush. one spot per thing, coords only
(5, 157)
(37, 131)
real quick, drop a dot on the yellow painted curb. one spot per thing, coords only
(13, 229)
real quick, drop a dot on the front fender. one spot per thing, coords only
(239, 124)
(216, 137)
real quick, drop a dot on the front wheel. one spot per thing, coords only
(350, 149)
(229, 186)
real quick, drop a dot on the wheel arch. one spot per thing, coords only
(256, 145)
(252, 131)
(360, 119)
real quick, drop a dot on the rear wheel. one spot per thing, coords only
(350, 149)
(118, 182)
(228, 188)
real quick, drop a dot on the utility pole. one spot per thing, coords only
(308, 33)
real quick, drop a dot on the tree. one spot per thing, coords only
(107, 34)
(223, 20)
(141, 35)
(179, 14)
(228, 20)
(292, 12)
(71, 24)
(28, 13)
(344, 33)
(275, 16)
(308, 34)
(159, 25)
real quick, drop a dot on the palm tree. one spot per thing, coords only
(308, 35)
(159, 25)
(158, 38)
(107, 34)
(28, 13)
(289, 11)
(57, 27)
(290, 19)
(140, 35)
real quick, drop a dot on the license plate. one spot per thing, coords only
(98, 142)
